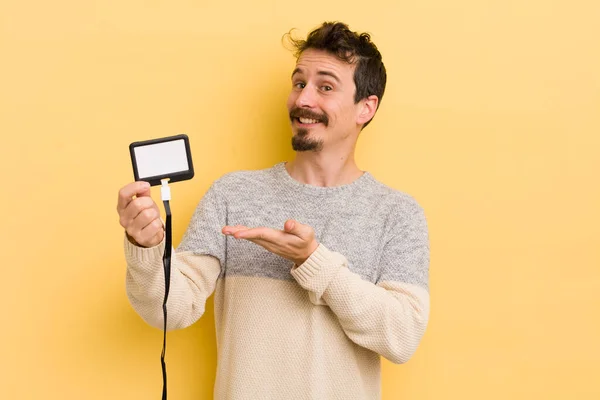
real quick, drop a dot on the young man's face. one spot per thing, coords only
(321, 103)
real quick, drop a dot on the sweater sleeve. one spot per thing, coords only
(390, 316)
(195, 268)
(193, 280)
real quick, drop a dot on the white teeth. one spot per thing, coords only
(308, 121)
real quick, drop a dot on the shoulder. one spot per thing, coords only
(399, 202)
(245, 179)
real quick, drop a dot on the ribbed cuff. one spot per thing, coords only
(318, 270)
(139, 256)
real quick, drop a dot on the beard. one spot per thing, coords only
(301, 142)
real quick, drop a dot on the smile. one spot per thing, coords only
(307, 121)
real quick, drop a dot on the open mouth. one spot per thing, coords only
(306, 121)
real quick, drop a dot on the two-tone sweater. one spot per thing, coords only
(284, 331)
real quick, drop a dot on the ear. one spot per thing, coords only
(367, 109)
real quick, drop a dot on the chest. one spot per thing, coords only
(347, 229)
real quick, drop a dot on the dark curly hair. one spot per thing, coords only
(351, 47)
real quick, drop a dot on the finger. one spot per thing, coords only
(156, 239)
(267, 234)
(136, 206)
(127, 192)
(140, 212)
(229, 230)
(289, 225)
(151, 234)
(143, 231)
(145, 217)
(296, 228)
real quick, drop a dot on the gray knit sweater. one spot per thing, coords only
(313, 331)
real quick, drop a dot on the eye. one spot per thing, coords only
(326, 88)
(299, 85)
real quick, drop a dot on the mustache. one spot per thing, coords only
(297, 112)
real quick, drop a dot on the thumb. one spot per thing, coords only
(295, 228)
(142, 189)
(137, 189)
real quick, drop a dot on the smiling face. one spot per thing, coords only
(321, 104)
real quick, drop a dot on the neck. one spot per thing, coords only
(326, 170)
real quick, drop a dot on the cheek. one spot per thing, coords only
(351, 112)
(341, 112)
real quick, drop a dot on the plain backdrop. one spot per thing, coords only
(491, 120)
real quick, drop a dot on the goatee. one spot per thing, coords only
(301, 142)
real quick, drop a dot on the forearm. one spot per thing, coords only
(389, 318)
(193, 279)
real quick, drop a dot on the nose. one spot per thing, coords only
(306, 98)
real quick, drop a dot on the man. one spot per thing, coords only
(317, 268)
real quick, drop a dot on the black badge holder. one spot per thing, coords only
(158, 162)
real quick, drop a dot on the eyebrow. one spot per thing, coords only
(321, 72)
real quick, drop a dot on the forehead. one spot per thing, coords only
(313, 61)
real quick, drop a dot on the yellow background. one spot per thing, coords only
(491, 119)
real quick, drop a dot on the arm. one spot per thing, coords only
(195, 267)
(389, 317)
(193, 280)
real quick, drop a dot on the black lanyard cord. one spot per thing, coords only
(167, 268)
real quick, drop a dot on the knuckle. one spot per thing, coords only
(138, 204)
(149, 213)
(157, 224)
(135, 205)
(133, 233)
(151, 205)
